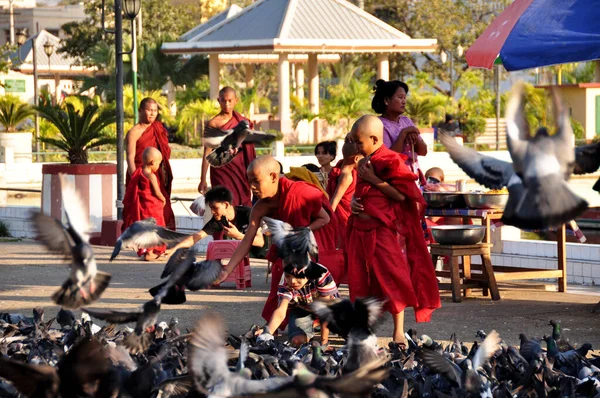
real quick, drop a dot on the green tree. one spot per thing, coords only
(452, 23)
(78, 130)
(13, 112)
(192, 118)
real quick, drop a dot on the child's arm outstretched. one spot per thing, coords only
(277, 317)
(344, 181)
(366, 172)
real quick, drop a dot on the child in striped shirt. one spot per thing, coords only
(296, 293)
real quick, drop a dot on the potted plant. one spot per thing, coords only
(80, 126)
(13, 113)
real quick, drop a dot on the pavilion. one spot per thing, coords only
(294, 31)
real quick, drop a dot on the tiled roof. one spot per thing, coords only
(215, 20)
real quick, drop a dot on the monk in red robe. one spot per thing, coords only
(144, 198)
(233, 175)
(151, 133)
(387, 253)
(341, 185)
(295, 202)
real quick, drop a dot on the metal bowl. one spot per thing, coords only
(442, 200)
(479, 200)
(458, 234)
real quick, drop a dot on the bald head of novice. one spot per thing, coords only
(151, 157)
(263, 176)
(367, 134)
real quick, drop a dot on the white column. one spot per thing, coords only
(300, 82)
(313, 83)
(383, 67)
(213, 76)
(283, 74)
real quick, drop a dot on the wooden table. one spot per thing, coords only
(502, 273)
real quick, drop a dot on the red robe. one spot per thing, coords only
(233, 175)
(342, 211)
(156, 136)
(140, 203)
(387, 255)
(299, 205)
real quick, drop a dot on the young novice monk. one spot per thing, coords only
(386, 213)
(294, 202)
(299, 290)
(144, 199)
(230, 219)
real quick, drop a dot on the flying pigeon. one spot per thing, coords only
(227, 142)
(539, 196)
(294, 245)
(184, 272)
(144, 235)
(85, 283)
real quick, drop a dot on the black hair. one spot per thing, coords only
(218, 194)
(312, 271)
(449, 117)
(385, 90)
(148, 100)
(329, 147)
(280, 167)
(312, 167)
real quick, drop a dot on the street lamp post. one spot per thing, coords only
(132, 7)
(49, 50)
(21, 38)
(444, 57)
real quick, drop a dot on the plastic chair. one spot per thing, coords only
(223, 249)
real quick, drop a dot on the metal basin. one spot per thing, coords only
(442, 200)
(458, 234)
(495, 201)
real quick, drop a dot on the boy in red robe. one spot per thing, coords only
(295, 202)
(387, 253)
(144, 198)
(233, 175)
(150, 132)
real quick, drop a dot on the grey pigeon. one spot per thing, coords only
(184, 272)
(144, 318)
(294, 245)
(85, 283)
(144, 235)
(539, 196)
(227, 142)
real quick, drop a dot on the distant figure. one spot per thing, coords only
(450, 127)
(150, 132)
(325, 153)
(144, 198)
(232, 175)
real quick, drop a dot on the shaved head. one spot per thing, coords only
(368, 125)
(227, 90)
(263, 176)
(151, 154)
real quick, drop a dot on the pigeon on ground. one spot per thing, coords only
(144, 318)
(184, 272)
(228, 142)
(587, 160)
(144, 235)
(539, 196)
(85, 283)
(295, 245)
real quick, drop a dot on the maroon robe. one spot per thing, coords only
(157, 136)
(387, 254)
(233, 175)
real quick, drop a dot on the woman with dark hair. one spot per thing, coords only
(150, 132)
(399, 132)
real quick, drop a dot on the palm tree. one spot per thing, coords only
(79, 130)
(420, 110)
(13, 112)
(249, 97)
(194, 115)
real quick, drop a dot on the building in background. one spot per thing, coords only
(27, 16)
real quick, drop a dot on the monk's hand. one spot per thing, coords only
(233, 232)
(356, 207)
(202, 187)
(367, 173)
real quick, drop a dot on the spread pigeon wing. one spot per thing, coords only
(175, 260)
(145, 235)
(52, 233)
(277, 229)
(438, 364)
(74, 208)
(205, 274)
(113, 316)
(563, 138)
(488, 347)
(30, 380)
(517, 128)
(488, 171)
(256, 136)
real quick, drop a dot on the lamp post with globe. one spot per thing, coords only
(450, 54)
